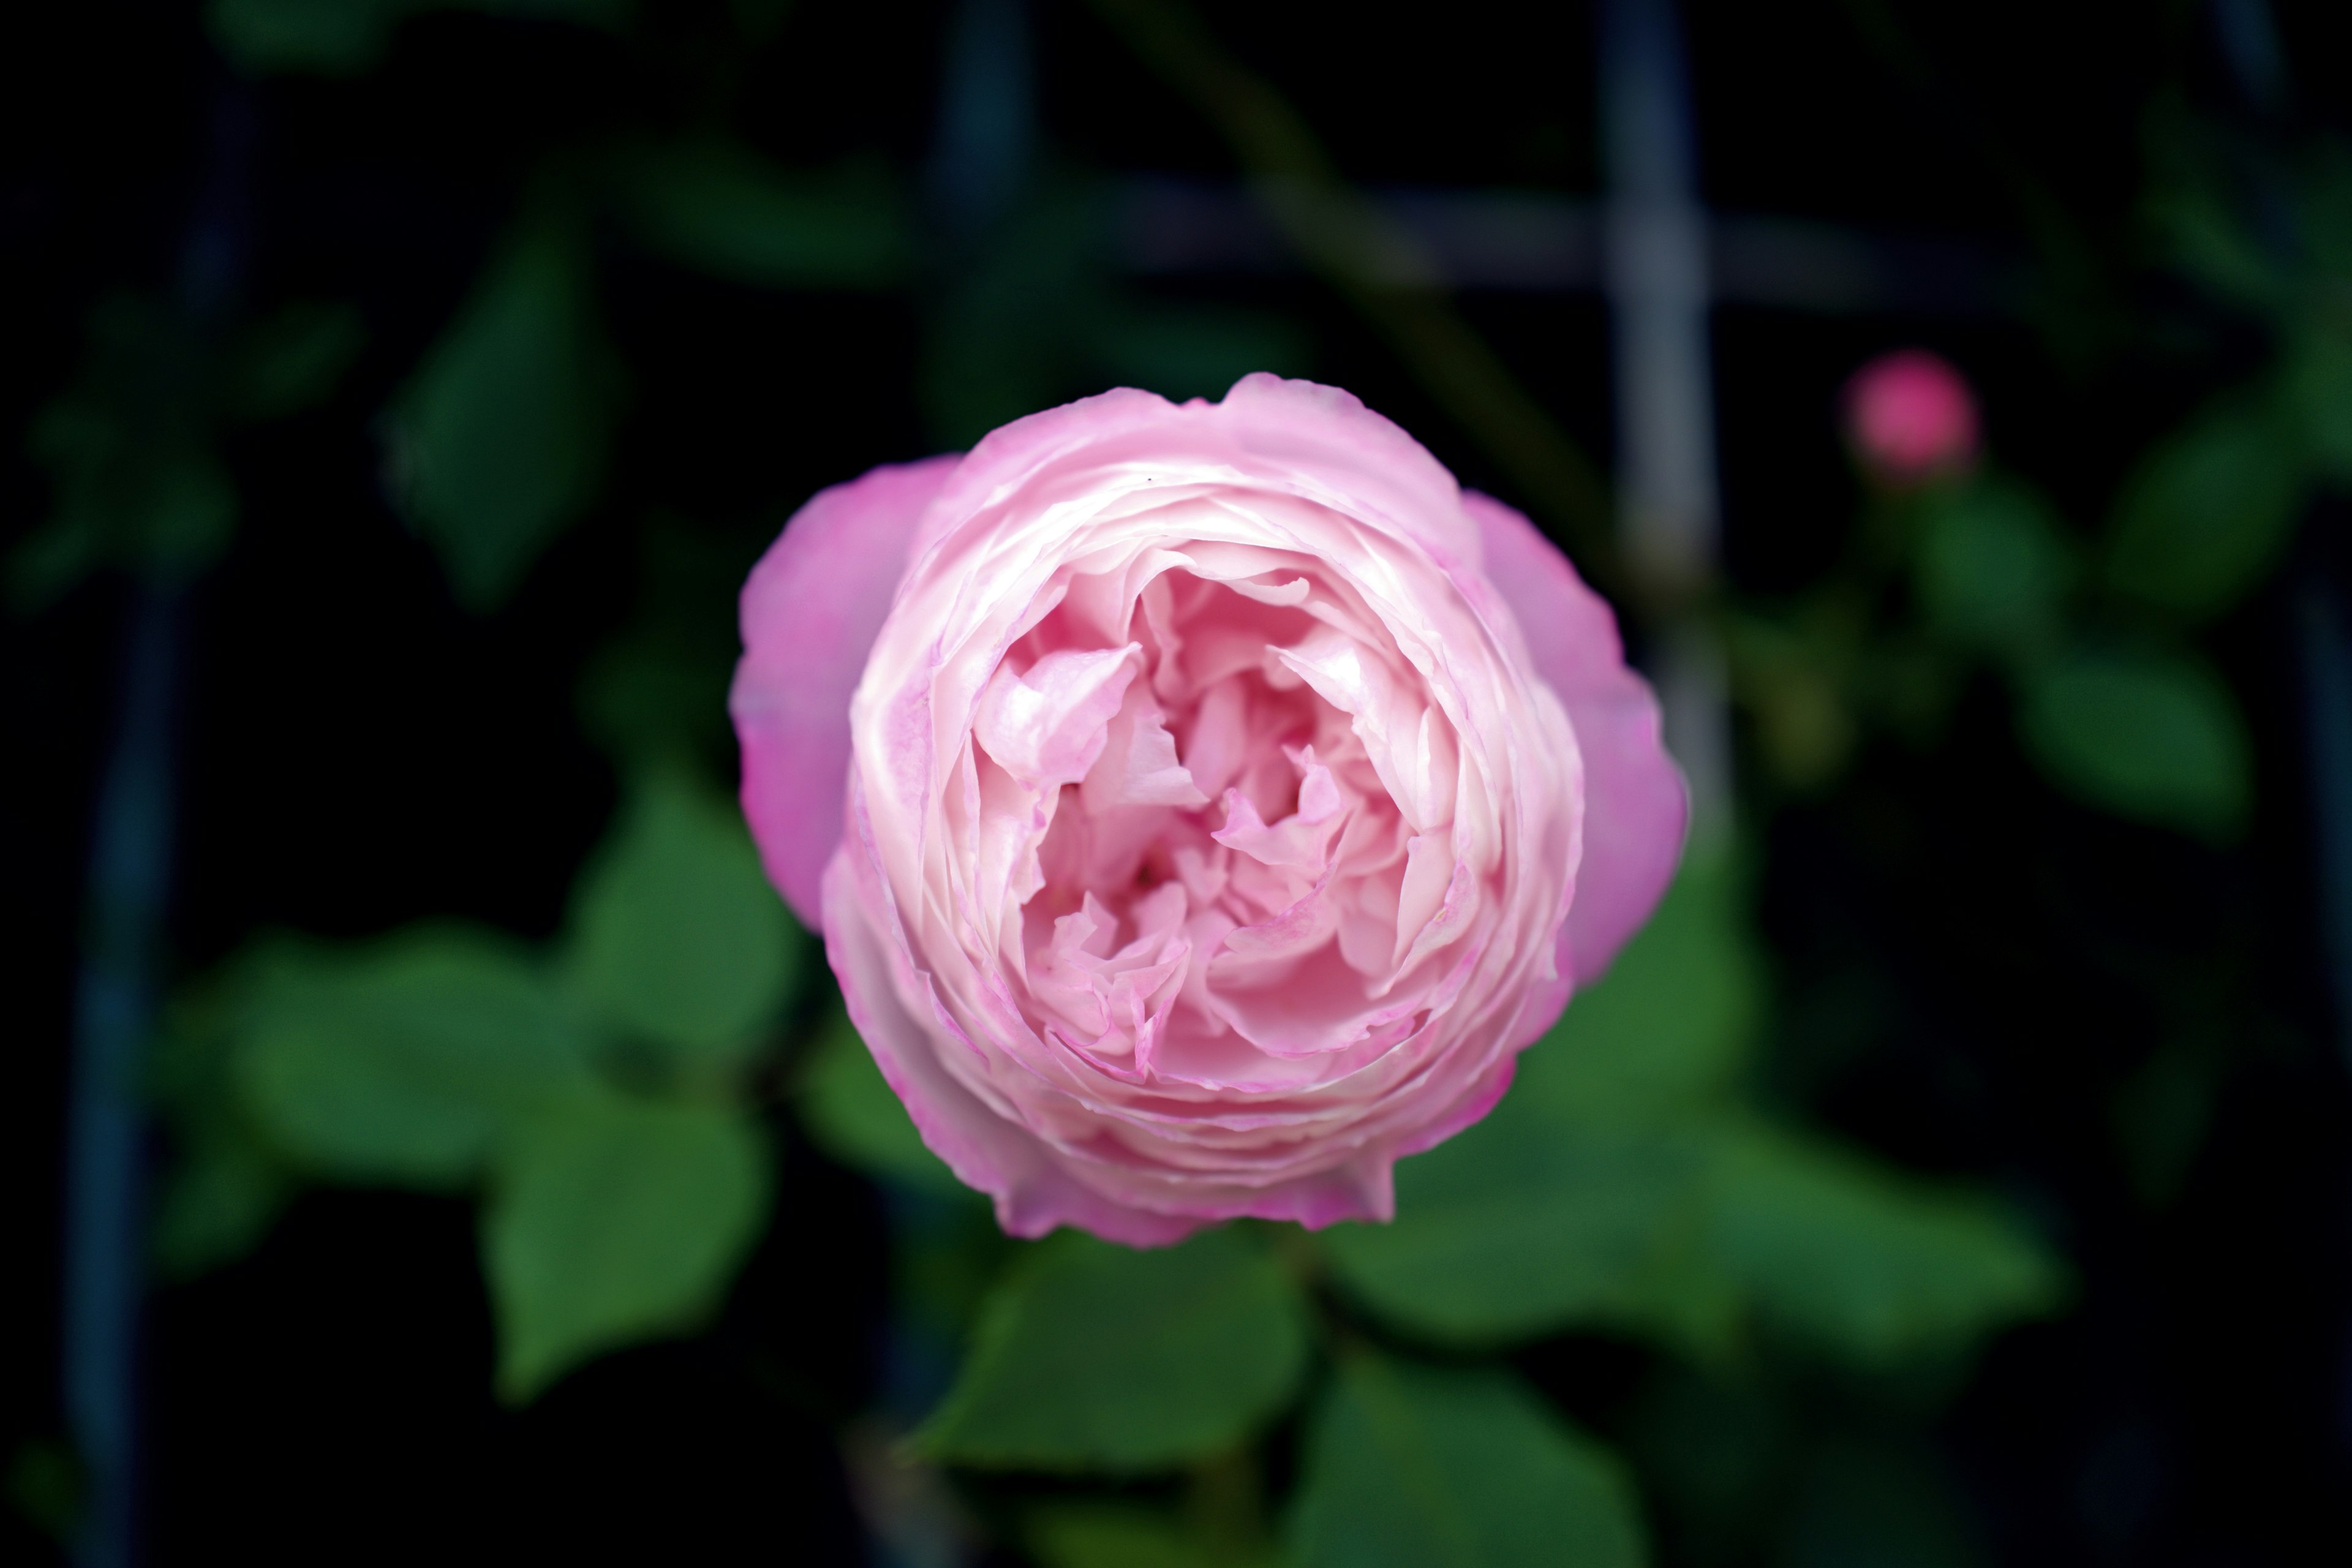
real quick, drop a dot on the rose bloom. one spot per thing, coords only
(1910, 416)
(1202, 805)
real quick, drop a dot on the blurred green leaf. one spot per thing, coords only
(1112, 1535)
(854, 1116)
(1671, 1023)
(136, 480)
(1879, 1501)
(611, 1220)
(404, 1061)
(292, 359)
(2207, 241)
(650, 704)
(1861, 1263)
(1525, 1223)
(1096, 1357)
(331, 37)
(344, 37)
(2151, 735)
(1579, 1196)
(654, 694)
(1994, 568)
(716, 205)
(1411, 1466)
(2315, 388)
(51, 1488)
(2206, 512)
(217, 1202)
(499, 441)
(676, 936)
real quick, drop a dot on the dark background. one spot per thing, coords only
(1972, 974)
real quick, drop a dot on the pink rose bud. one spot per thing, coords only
(1202, 805)
(1910, 416)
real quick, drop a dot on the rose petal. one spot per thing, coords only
(1636, 807)
(809, 616)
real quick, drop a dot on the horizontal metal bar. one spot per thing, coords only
(1532, 242)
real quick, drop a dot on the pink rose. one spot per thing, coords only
(1910, 416)
(1202, 805)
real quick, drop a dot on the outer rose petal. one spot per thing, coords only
(1637, 807)
(809, 616)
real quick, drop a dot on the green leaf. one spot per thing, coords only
(293, 359)
(648, 702)
(2316, 387)
(2207, 241)
(676, 938)
(612, 1220)
(1670, 1025)
(2207, 513)
(1994, 568)
(716, 205)
(1576, 1200)
(854, 1116)
(345, 37)
(136, 479)
(1864, 1264)
(406, 1061)
(217, 1202)
(330, 38)
(1416, 1468)
(499, 442)
(2151, 735)
(1094, 1357)
(1879, 1500)
(1525, 1225)
(1111, 1535)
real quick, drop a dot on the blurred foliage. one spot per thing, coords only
(1093, 1356)
(1622, 1184)
(2114, 701)
(716, 207)
(132, 446)
(344, 38)
(598, 1097)
(1407, 1465)
(499, 440)
(2095, 631)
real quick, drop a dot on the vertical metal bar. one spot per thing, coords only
(2326, 651)
(115, 1008)
(986, 135)
(115, 1002)
(1654, 270)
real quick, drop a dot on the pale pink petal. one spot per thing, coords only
(1047, 725)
